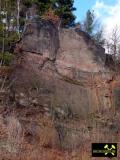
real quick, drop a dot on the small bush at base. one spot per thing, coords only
(5, 58)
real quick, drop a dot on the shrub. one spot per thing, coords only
(12, 37)
(6, 58)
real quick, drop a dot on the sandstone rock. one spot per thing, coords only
(75, 55)
(70, 71)
(43, 40)
(73, 67)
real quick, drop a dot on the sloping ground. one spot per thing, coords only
(62, 97)
(28, 133)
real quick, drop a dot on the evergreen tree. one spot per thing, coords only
(88, 24)
(93, 28)
(63, 8)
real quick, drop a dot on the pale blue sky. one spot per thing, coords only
(106, 11)
(83, 5)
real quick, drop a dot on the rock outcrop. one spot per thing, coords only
(68, 58)
(61, 86)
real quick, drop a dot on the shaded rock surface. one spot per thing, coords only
(42, 38)
(63, 97)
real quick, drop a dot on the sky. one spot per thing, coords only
(107, 11)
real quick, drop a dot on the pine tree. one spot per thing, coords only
(62, 8)
(88, 24)
(93, 28)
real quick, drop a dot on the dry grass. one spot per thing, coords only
(46, 146)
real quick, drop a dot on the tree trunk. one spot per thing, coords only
(18, 17)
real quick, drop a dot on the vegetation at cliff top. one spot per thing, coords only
(62, 8)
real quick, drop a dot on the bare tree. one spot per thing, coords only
(115, 41)
(112, 46)
(18, 17)
(3, 32)
(107, 46)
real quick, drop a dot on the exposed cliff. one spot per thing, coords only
(62, 95)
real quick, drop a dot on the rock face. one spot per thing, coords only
(61, 83)
(42, 38)
(79, 53)
(68, 58)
